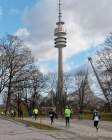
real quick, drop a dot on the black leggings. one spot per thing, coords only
(52, 119)
(35, 115)
(96, 124)
(67, 121)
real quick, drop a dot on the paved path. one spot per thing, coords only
(15, 131)
(84, 129)
(77, 131)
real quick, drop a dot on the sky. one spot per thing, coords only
(87, 23)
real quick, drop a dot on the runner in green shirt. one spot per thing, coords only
(67, 114)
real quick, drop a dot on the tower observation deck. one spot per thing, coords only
(60, 40)
(60, 43)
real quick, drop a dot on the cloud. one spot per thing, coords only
(87, 23)
(93, 16)
(23, 33)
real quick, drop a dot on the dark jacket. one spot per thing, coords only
(51, 113)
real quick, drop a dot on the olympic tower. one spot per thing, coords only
(60, 43)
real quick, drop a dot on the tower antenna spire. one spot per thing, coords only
(60, 14)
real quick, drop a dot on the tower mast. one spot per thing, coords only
(60, 14)
(60, 43)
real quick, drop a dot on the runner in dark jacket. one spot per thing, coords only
(51, 115)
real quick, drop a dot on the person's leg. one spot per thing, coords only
(97, 125)
(66, 121)
(22, 116)
(94, 124)
(35, 116)
(51, 120)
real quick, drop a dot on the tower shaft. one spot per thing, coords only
(60, 92)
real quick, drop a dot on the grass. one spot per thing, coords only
(104, 116)
(36, 125)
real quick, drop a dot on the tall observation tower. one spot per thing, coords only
(60, 43)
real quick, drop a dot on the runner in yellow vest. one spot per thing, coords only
(35, 112)
(67, 114)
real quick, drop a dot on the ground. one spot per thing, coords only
(78, 130)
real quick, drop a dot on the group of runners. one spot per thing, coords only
(12, 113)
(68, 114)
(52, 114)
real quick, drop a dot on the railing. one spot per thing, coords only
(57, 30)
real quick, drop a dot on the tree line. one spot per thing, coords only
(23, 84)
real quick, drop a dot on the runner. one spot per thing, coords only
(96, 118)
(51, 115)
(35, 112)
(21, 114)
(67, 113)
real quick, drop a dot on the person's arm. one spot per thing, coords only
(49, 112)
(93, 117)
(99, 117)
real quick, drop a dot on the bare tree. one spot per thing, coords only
(17, 57)
(51, 88)
(80, 83)
(3, 73)
(104, 66)
(68, 86)
(38, 86)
